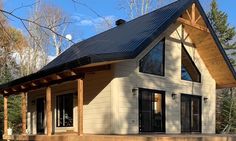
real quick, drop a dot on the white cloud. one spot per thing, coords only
(87, 21)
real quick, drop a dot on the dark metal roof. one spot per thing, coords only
(122, 42)
(126, 40)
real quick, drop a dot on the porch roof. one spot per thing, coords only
(125, 41)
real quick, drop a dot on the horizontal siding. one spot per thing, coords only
(97, 103)
(128, 77)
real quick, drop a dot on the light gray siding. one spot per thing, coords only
(128, 77)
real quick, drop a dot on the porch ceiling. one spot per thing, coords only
(213, 58)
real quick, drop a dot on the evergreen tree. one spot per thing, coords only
(225, 33)
(226, 115)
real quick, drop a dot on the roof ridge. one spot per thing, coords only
(111, 29)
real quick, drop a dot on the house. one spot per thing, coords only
(155, 74)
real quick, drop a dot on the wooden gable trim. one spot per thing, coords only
(191, 20)
(195, 24)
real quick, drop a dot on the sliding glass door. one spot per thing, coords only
(190, 113)
(151, 111)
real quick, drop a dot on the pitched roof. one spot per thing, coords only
(122, 42)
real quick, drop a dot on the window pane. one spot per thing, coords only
(153, 62)
(65, 110)
(151, 111)
(189, 70)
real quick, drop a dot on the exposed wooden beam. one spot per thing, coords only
(49, 110)
(55, 77)
(23, 87)
(72, 74)
(44, 81)
(193, 13)
(80, 93)
(199, 17)
(196, 26)
(13, 89)
(5, 92)
(5, 115)
(24, 111)
(33, 84)
(190, 18)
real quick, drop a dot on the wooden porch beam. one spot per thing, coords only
(80, 93)
(46, 81)
(5, 115)
(24, 110)
(196, 26)
(23, 87)
(5, 92)
(33, 84)
(49, 110)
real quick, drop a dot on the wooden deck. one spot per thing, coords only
(73, 137)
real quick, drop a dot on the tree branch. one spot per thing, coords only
(34, 22)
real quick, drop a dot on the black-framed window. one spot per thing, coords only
(64, 110)
(189, 70)
(154, 61)
(191, 113)
(151, 111)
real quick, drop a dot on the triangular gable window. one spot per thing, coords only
(153, 62)
(189, 71)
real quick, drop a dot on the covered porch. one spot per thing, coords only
(47, 83)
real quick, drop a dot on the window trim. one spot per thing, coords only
(191, 60)
(164, 48)
(56, 108)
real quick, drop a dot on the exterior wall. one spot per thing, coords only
(127, 77)
(97, 104)
(110, 106)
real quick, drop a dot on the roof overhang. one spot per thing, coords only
(208, 46)
(66, 72)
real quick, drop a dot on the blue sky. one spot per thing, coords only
(85, 20)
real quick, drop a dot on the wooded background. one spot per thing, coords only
(24, 53)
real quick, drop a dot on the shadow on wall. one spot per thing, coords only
(131, 78)
(97, 105)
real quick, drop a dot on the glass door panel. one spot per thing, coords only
(151, 111)
(196, 114)
(190, 113)
(40, 115)
(185, 114)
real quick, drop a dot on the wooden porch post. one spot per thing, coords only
(49, 110)
(80, 93)
(23, 96)
(5, 115)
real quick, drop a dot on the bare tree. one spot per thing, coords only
(58, 22)
(136, 8)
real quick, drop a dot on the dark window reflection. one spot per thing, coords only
(189, 70)
(64, 110)
(153, 62)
